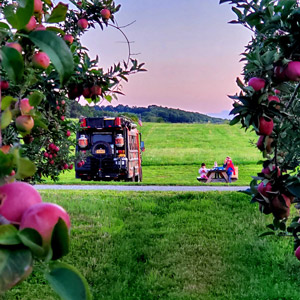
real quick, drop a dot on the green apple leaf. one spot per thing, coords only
(6, 118)
(36, 98)
(13, 64)
(7, 163)
(58, 13)
(6, 101)
(9, 235)
(67, 282)
(15, 265)
(60, 240)
(25, 168)
(19, 18)
(58, 51)
(33, 240)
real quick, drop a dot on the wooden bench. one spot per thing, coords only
(235, 176)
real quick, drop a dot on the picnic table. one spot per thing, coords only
(215, 175)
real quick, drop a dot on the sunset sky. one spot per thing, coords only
(191, 53)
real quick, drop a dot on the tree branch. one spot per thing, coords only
(293, 96)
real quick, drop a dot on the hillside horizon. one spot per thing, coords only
(152, 113)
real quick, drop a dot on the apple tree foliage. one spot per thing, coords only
(269, 103)
(44, 67)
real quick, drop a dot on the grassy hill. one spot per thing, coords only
(174, 152)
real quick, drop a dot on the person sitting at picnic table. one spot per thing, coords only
(228, 164)
(203, 171)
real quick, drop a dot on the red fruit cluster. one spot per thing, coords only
(289, 72)
(80, 163)
(278, 204)
(51, 153)
(89, 92)
(76, 91)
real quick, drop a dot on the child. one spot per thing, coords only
(203, 171)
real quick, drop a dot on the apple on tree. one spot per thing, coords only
(43, 217)
(15, 199)
(257, 83)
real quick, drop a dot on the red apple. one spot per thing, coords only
(293, 71)
(280, 210)
(14, 45)
(68, 133)
(46, 154)
(51, 162)
(16, 198)
(62, 118)
(265, 126)
(5, 149)
(41, 60)
(63, 102)
(264, 189)
(96, 90)
(4, 85)
(105, 13)
(24, 123)
(87, 93)
(83, 23)
(65, 166)
(52, 146)
(75, 90)
(276, 99)
(56, 148)
(261, 143)
(279, 73)
(71, 167)
(297, 253)
(12, 173)
(24, 106)
(31, 24)
(257, 83)
(57, 107)
(40, 27)
(68, 38)
(43, 217)
(38, 6)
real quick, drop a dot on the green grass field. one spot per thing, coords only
(201, 246)
(174, 153)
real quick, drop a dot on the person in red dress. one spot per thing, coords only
(228, 164)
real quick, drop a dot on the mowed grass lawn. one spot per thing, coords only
(174, 153)
(171, 246)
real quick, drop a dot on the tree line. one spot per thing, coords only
(152, 113)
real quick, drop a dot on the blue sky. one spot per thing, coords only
(191, 53)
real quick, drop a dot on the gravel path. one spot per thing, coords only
(143, 188)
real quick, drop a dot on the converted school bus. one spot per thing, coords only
(114, 145)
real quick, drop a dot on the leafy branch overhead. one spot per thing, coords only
(44, 69)
(268, 103)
